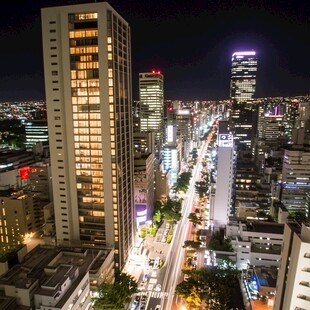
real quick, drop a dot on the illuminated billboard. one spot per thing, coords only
(24, 172)
(226, 140)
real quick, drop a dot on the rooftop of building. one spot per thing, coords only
(9, 303)
(266, 276)
(49, 267)
(248, 204)
(13, 193)
(265, 227)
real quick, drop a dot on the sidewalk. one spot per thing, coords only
(155, 247)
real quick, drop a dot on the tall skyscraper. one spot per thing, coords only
(151, 90)
(222, 208)
(243, 76)
(87, 63)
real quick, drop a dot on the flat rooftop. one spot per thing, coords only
(45, 269)
(266, 277)
(265, 227)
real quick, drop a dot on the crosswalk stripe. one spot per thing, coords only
(158, 294)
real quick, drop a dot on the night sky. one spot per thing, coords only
(190, 41)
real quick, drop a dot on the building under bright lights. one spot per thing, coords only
(87, 67)
(151, 91)
(243, 76)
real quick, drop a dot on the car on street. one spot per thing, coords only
(158, 287)
(145, 277)
(142, 285)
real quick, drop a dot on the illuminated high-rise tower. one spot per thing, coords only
(243, 76)
(151, 89)
(87, 67)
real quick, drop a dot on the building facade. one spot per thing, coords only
(87, 64)
(222, 208)
(296, 180)
(151, 92)
(243, 75)
(293, 287)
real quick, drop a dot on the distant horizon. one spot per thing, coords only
(190, 42)
(169, 99)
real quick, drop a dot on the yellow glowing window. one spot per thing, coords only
(81, 218)
(109, 48)
(110, 73)
(109, 39)
(111, 91)
(81, 74)
(113, 152)
(111, 99)
(115, 226)
(98, 213)
(73, 74)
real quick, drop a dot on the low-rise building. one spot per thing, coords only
(57, 278)
(256, 243)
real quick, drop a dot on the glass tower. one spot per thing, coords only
(87, 66)
(243, 76)
(151, 92)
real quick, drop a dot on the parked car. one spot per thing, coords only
(158, 287)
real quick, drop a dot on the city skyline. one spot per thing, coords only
(191, 43)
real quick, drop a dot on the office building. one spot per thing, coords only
(151, 91)
(256, 243)
(144, 176)
(222, 208)
(36, 131)
(293, 288)
(172, 154)
(87, 64)
(243, 124)
(301, 132)
(181, 118)
(243, 76)
(296, 180)
(56, 278)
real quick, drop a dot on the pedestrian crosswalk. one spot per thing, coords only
(158, 294)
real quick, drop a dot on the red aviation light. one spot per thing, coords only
(156, 71)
